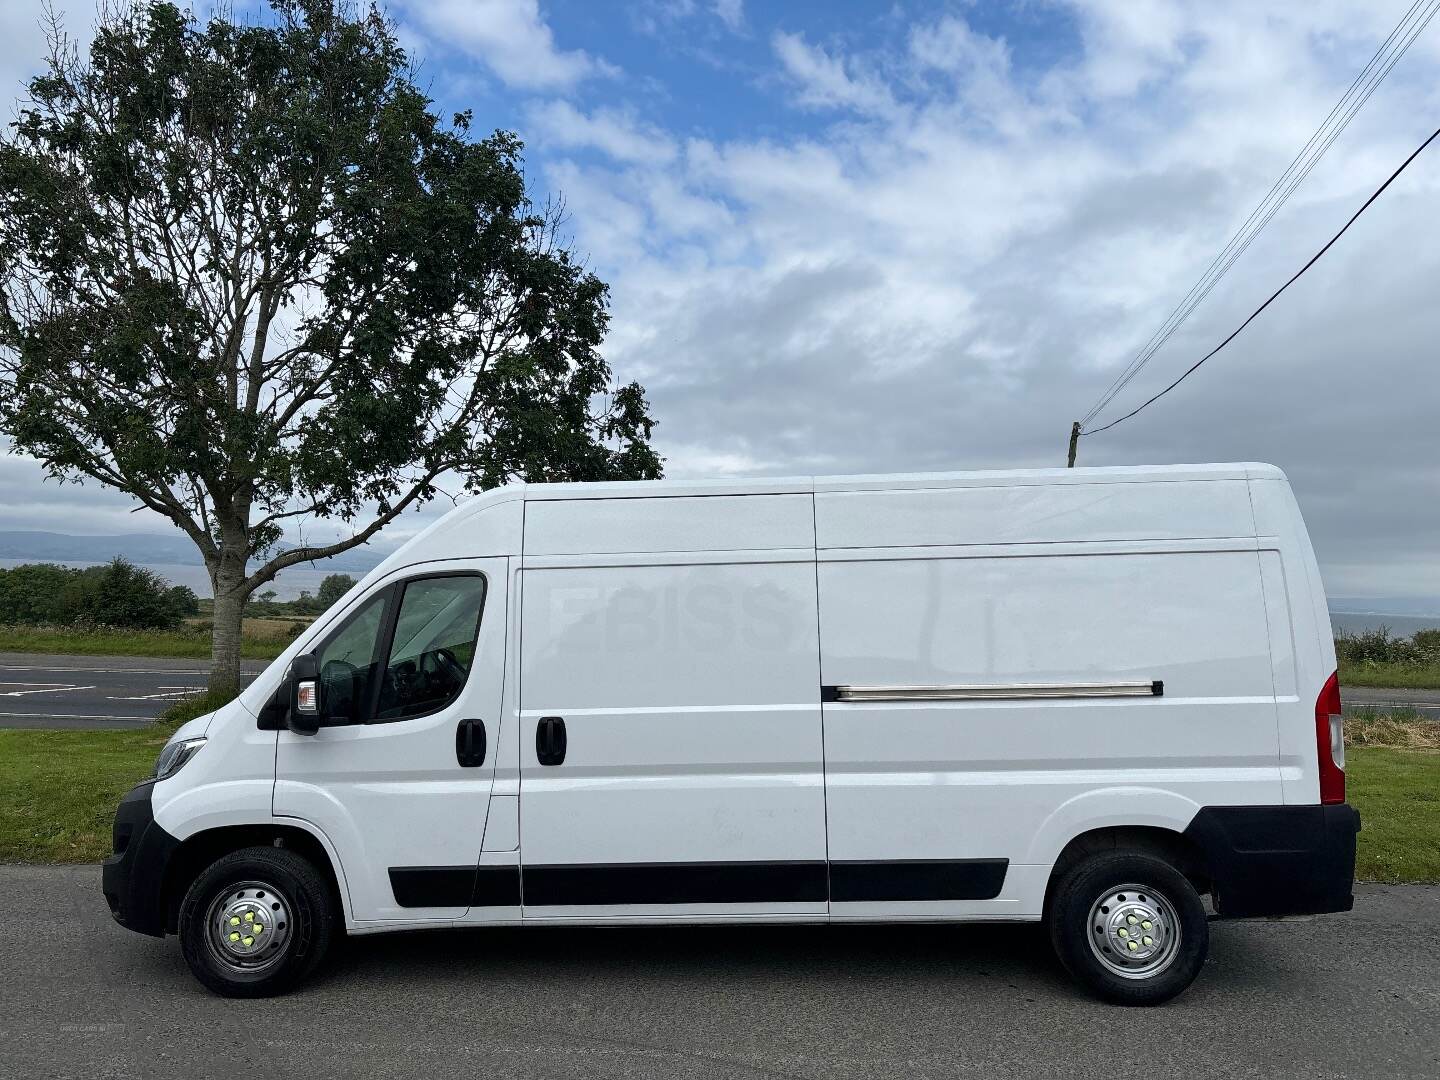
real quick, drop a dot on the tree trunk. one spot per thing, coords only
(230, 597)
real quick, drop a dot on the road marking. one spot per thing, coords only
(119, 671)
(178, 693)
(74, 716)
(1383, 704)
(43, 690)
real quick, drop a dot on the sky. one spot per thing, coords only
(868, 237)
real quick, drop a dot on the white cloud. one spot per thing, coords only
(559, 124)
(731, 13)
(954, 267)
(512, 38)
(822, 80)
(952, 258)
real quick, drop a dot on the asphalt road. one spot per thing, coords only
(1425, 702)
(55, 691)
(1342, 995)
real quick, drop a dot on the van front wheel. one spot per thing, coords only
(256, 922)
(1129, 926)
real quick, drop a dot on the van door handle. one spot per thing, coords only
(550, 740)
(470, 743)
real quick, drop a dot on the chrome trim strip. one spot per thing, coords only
(993, 691)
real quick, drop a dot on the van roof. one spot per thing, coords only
(1126, 474)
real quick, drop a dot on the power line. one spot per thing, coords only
(1415, 20)
(1273, 296)
(1349, 105)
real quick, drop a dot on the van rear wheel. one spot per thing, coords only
(256, 922)
(1130, 927)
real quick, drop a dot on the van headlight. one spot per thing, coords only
(173, 758)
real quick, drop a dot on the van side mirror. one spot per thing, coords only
(305, 696)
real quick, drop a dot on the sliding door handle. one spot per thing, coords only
(550, 740)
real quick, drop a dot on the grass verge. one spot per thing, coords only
(185, 643)
(1398, 795)
(58, 791)
(1398, 676)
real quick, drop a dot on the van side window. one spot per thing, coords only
(432, 647)
(349, 661)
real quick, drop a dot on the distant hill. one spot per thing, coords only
(1425, 607)
(147, 549)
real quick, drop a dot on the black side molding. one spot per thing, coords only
(676, 883)
(456, 886)
(593, 885)
(920, 879)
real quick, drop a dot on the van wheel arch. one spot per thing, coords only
(1175, 848)
(201, 850)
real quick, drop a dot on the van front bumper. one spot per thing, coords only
(1278, 860)
(133, 878)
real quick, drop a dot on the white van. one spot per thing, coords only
(1086, 696)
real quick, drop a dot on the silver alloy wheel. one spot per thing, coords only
(1134, 931)
(248, 926)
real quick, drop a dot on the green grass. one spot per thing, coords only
(1398, 795)
(1402, 676)
(58, 791)
(98, 642)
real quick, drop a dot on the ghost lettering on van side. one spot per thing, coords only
(700, 615)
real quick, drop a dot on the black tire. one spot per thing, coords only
(1141, 880)
(273, 890)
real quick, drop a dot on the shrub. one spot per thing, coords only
(36, 593)
(119, 594)
(1380, 647)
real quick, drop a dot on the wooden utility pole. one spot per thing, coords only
(1074, 444)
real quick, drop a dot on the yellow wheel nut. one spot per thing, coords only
(260, 929)
(1147, 941)
(1133, 946)
(1145, 925)
(234, 921)
(1123, 932)
(1130, 919)
(249, 916)
(251, 941)
(234, 937)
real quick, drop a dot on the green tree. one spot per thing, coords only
(332, 588)
(35, 593)
(123, 594)
(183, 601)
(117, 594)
(247, 275)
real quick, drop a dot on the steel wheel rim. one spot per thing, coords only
(249, 927)
(1134, 931)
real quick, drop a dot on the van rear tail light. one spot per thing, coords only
(1330, 742)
